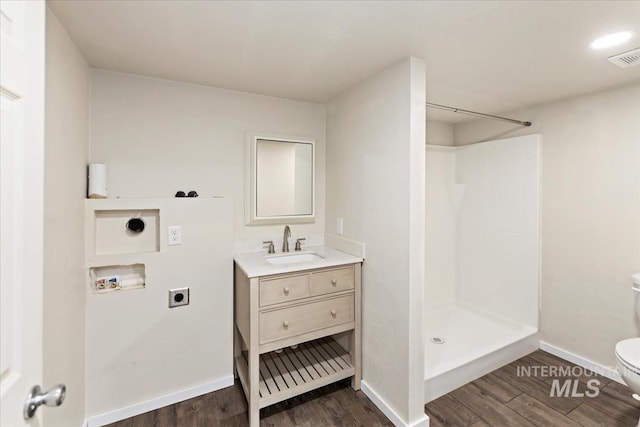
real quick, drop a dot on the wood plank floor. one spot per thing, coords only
(333, 405)
(499, 399)
(505, 399)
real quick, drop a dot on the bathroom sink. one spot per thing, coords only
(292, 258)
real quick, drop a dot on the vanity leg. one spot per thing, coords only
(254, 394)
(254, 356)
(355, 345)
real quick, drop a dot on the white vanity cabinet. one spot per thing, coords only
(297, 312)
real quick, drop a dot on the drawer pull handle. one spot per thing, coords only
(286, 290)
(333, 313)
(334, 282)
(285, 324)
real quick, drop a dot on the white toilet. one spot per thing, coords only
(628, 351)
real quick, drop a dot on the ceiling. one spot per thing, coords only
(489, 56)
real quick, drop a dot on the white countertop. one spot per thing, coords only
(255, 265)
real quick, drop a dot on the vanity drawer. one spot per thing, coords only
(327, 281)
(300, 319)
(273, 291)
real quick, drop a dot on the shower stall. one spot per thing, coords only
(482, 259)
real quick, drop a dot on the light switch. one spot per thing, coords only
(339, 226)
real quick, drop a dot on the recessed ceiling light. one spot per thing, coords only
(611, 40)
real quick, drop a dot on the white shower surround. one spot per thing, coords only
(482, 258)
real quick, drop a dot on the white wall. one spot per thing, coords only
(441, 219)
(158, 136)
(66, 142)
(497, 235)
(440, 133)
(138, 349)
(375, 181)
(590, 178)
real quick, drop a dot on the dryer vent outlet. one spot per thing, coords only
(178, 297)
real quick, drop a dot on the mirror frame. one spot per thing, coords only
(250, 204)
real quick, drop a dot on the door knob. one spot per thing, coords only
(52, 397)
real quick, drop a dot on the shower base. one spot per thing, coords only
(464, 343)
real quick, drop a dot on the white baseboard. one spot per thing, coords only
(388, 410)
(157, 402)
(612, 374)
(422, 422)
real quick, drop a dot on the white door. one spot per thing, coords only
(22, 53)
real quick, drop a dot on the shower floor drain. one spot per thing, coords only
(437, 340)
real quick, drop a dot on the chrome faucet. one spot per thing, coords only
(285, 242)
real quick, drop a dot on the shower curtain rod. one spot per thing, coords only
(475, 113)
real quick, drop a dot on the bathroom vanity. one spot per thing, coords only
(297, 323)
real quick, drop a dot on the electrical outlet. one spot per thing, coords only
(174, 234)
(178, 297)
(339, 226)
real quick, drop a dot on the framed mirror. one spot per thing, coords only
(280, 180)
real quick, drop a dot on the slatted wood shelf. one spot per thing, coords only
(311, 365)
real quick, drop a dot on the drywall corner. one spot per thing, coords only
(375, 146)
